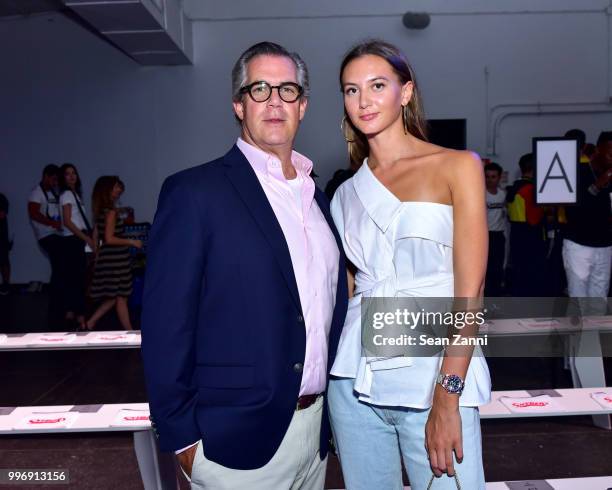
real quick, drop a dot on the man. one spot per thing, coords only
(5, 246)
(527, 234)
(496, 221)
(245, 297)
(44, 213)
(587, 247)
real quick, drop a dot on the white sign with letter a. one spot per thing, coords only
(556, 170)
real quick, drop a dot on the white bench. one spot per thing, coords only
(156, 469)
(120, 339)
(573, 401)
(587, 370)
(592, 483)
(584, 347)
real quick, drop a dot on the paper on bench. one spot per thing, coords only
(539, 322)
(51, 420)
(53, 339)
(128, 418)
(600, 321)
(3, 338)
(604, 398)
(531, 404)
(109, 338)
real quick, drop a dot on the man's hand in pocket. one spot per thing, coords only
(186, 457)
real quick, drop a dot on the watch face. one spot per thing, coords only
(453, 384)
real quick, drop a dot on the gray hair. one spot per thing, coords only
(239, 72)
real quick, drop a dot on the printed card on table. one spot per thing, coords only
(128, 418)
(53, 339)
(539, 322)
(604, 398)
(3, 338)
(531, 404)
(601, 321)
(529, 485)
(52, 420)
(111, 338)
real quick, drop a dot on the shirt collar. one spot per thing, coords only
(264, 162)
(381, 205)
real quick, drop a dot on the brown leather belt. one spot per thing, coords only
(306, 401)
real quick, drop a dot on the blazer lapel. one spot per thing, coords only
(243, 178)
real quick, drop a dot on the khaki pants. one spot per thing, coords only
(295, 465)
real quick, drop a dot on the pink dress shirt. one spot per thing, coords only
(313, 249)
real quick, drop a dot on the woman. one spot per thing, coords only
(413, 224)
(76, 236)
(112, 278)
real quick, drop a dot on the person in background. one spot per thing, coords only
(112, 277)
(496, 223)
(580, 136)
(587, 247)
(77, 235)
(45, 217)
(589, 151)
(5, 246)
(340, 176)
(527, 234)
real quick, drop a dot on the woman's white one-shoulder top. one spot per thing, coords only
(400, 249)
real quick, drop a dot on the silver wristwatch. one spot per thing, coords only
(452, 383)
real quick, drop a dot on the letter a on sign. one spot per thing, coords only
(563, 175)
(556, 170)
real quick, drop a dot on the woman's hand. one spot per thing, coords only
(443, 433)
(137, 244)
(90, 241)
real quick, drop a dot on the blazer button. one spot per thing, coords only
(300, 319)
(298, 367)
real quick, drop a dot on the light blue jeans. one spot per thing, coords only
(372, 440)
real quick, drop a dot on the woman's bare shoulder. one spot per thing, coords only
(458, 158)
(464, 165)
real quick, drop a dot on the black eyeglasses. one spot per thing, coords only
(261, 91)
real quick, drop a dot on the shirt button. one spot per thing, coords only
(300, 319)
(298, 367)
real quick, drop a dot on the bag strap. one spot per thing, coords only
(78, 202)
(456, 482)
(44, 193)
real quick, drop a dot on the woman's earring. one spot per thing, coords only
(343, 128)
(405, 116)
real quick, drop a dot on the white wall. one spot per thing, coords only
(69, 96)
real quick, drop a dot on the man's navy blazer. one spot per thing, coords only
(223, 335)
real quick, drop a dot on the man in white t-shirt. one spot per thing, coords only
(45, 217)
(496, 221)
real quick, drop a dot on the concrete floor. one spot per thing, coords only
(556, 447)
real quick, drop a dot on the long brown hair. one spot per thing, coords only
(62, 179)
(416, 124)
(101, 199)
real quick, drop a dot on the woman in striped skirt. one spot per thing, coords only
(112, 278)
